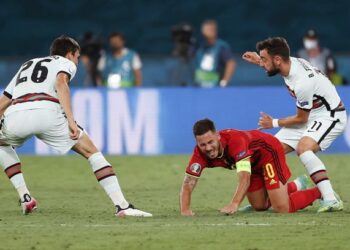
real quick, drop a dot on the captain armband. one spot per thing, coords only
(244, 166)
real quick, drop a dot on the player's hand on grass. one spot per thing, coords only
(187, 213)
(251, 57)
(229, 209)
(74, 131)
(265, 121)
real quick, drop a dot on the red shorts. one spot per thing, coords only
(271, 168)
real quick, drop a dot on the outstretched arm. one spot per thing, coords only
(266, 121)
(252, 57)
(188, 185)
(243, 173)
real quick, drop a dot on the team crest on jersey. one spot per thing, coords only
(196, 168)
(241, 154)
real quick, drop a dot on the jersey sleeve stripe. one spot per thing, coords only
(307, 110)
(7, 94)
(62, 71)
(196, 176)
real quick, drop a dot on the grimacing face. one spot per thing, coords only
(269, 63)
(209, 144)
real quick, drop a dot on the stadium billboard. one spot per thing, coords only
(154, 121)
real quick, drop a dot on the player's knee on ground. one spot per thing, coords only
(281, 207)
(260, 207)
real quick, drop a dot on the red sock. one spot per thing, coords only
(292, 187)
(301, 199)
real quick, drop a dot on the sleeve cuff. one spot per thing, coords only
(307, 110)
(7, 94)
(68, 74)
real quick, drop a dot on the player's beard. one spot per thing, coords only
(215, 152)
(274, 71)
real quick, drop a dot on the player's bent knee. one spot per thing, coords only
(85, 146)
(260, 208)
(306, 144)
(281, 208)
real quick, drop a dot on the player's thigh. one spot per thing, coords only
(19, 126)
(325, 129)
(289, 137)
(56, 134)
(276, 174)
(257, 195)
(85, 146)
(279, 198)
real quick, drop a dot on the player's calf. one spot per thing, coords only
(106, 177)
(13, 169)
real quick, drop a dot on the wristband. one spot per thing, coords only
(275, 123)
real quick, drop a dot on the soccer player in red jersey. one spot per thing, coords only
(261, 167)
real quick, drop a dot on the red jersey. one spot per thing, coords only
(260, 147)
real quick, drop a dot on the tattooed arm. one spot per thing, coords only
(185, 196)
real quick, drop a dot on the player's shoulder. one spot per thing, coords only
(229, 132)
(301, 71)
(59, 59)
(232, 136)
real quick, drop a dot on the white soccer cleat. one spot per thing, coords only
(304, 181)
(331, 206)
(29, 204)
(131, 211)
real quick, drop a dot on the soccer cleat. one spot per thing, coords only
(247, 208)
(29, 204)
(331, 206)
(305, 182)
(131, 211)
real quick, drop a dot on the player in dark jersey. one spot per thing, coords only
(261, 167)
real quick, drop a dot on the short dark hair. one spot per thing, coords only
(116, 34)
(203, 126)
(63, 45)
(275, 46)
(210, 22)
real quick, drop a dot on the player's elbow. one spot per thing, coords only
(303, 119)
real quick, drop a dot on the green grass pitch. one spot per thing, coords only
(75, 213)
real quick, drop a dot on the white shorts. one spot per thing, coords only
(50, 126)
(321, 127)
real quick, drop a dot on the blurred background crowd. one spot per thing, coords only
(175, 43)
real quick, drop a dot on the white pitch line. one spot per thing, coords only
(238, 224)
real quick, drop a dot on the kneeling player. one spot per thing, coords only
(261, 168)
(37, 103)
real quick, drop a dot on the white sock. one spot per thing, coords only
(12, 166)
(19, 183)
(297, 183)
(313, 164)
(109, 182)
